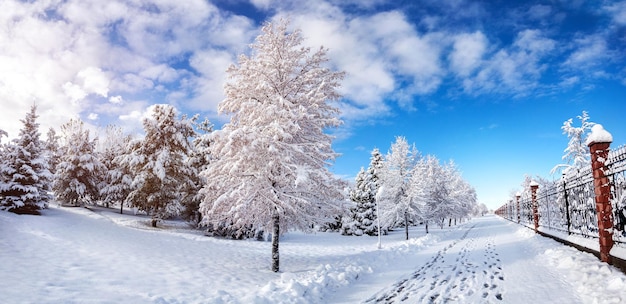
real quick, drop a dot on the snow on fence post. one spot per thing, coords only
(517, 196)
(599, 142)
(533, 190)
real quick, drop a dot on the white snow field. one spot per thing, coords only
(74, 255)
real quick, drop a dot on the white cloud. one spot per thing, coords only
(71, 55)
(617, 11)
(589, 51)
(467, 53)
(116, 99)
(516, 69)
(380, 53)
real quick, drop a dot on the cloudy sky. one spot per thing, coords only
(485, 83)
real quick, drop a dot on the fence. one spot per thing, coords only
(569, 205)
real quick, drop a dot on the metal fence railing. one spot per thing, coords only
(568, 205)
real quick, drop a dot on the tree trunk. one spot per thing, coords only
(406, 225)
(154, 222)
(275, 234)
(449, 222)
(426, 224)
(122, 208)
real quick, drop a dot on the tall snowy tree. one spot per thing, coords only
(79, 170)
(577, 153)
(198, 161)
(396, 206)
(117, 182)
(271, 160)
(362, 218)
(52, 149)
(158, 162)
(27, 183)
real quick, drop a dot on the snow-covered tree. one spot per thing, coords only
(577, 153)
(396, 206)
(117, 182)
(362, 218)
(52, 149)
(159, 164)
(424, 189)
(79, 170)
(198, 161)
(374, 170)
(270, 167)
(27, 178)
(461, 195)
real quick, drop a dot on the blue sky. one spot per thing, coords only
(485, 83)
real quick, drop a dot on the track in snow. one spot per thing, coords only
(467, 269)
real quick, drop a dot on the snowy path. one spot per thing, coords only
(493, 261)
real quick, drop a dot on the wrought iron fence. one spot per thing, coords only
(568, 205)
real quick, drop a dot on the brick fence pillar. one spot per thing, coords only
(599, 141)
(533, 194)
(517, 196)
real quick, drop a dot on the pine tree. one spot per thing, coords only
(271, 160)
(360, 195)
(79, 171)
(198, 161)
(374, 171)
(52, 149)
(396, 206)
(27, 179)
(362, 218)
(159, 164)
(117, 182)
(4, 162)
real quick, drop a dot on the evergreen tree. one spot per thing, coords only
(27, 179)
(198, 161)
(4, 162)
(53, 153)
(271, 160)
(158, 162)
(363, 218)
(374, 171)
(117, 182)
(79, 171)
(360, 195)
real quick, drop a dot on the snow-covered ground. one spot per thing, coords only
(73, 255)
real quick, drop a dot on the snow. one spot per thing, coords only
(77, 255)
(599, 135)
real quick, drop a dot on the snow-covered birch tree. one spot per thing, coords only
(270, 167)
(158, 163)
(396, 206)
(27, 178)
